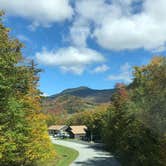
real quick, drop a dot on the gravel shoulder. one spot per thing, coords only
(89, 154)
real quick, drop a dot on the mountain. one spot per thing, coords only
(93, 95)
(66, 104)
(76, 100)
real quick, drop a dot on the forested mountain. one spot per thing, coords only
(76, 100)
(93, 95)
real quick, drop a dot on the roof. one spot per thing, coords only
(78, 129)
(57, 127)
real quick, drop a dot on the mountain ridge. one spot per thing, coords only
(77, 99)
(96, 95)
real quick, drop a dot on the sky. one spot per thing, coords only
(93, 43)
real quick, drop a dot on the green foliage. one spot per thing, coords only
(23, 133)
(94, 120)
(136, 128)
(149, 94)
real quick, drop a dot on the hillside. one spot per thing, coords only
(76, 100)
(66, 104)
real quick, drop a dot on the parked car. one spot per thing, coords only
(61, 135)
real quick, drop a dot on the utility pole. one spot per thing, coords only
(91, 137)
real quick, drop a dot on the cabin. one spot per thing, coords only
(57, 129)
(63, 131)
(78, 132)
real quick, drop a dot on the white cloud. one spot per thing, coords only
(118, 27)
(86, 11)
(41, 12)
(115, 25)
(79, 32)
(70, 59)
(23, 38)
(100, 69)
(95, 10)
(78, 69)
(44, 94)
(125, 74)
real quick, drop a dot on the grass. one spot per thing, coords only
(64, 157)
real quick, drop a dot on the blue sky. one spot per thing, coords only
(92, 43)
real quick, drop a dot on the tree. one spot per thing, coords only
(118, 118)
(135, 129)
(93, 119)
(23, 133)
(149, 93)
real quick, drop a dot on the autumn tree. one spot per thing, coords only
(135, 129)
(118, 118)
(23, 133)
(149, 93)
(93, 119)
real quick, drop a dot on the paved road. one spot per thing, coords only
(89, 154)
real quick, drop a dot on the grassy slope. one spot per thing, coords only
(64, 157)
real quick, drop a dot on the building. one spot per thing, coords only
(62, 131)
(78, 132)
(57, 129)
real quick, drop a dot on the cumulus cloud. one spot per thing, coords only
(100, 69)
(79, 32)
(124, 75)
(123, 24)
(41, 12)
(86, 11)
(114, 25)
(70, 59)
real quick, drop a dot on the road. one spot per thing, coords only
(89, 154)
